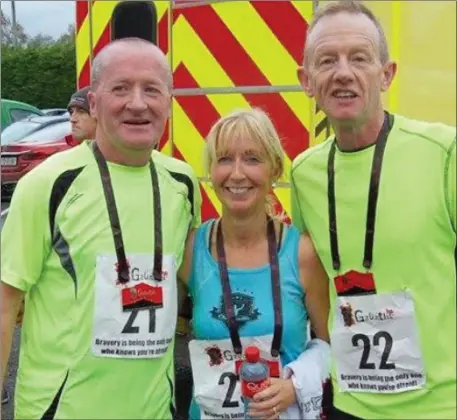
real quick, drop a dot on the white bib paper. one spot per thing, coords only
(216, 388)
(138, 333)
(375, 344)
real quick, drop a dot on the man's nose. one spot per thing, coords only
(344, 72)
(137, 101)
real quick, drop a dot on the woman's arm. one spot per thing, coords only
(312, 365)
(184, 301)
(186, 264)
(316, 285)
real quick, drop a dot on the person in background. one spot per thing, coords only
(253, 280)
(83, 125)
(92, 240)
(378, 199)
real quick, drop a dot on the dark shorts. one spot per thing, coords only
(336, 414)
(329, 410)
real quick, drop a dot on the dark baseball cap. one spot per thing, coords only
(80, 99)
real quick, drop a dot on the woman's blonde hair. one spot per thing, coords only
(241, 124)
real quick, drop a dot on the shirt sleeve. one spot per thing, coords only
(296, 214)
(450, 184)
(25, 237)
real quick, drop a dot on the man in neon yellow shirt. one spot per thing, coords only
(93, 239)
(379, 201)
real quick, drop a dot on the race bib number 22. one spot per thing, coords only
(375, 344)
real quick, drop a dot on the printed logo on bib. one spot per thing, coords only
(142, 296)
(351, 317)
(375, 344)
(135, 320)
(216, 357)
(217, 387)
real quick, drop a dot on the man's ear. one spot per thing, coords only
(388, 73)
(304, 79)
(93, 109)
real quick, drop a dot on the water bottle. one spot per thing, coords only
(254, 376)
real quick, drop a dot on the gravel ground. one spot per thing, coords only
(183, 378)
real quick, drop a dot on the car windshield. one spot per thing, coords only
(17, 131)
(49, 133)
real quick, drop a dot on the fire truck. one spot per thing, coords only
(237, 54)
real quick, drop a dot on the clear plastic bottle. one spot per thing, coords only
(254, 376)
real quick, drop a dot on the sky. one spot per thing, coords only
(46, 17)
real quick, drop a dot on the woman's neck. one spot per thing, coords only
(244, 232)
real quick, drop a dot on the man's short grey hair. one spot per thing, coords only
(99, 61)
(354, 8)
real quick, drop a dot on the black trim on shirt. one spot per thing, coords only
(52, 409)
(62, 249)
(172, 394)
(59, 189)
(60, 245)
(187, 181)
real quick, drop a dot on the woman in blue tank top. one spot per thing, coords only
(252, 278)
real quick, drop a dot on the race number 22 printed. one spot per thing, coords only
(375, 344)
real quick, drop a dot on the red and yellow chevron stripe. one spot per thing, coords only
(224, 55)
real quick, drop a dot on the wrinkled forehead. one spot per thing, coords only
(343, 30)
(135, 62)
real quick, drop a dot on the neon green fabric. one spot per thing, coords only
(56, 337)
(415, 239)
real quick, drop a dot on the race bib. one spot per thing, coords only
(375, 344)
(216, 386)
(136, 320)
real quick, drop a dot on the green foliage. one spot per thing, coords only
(41, 75)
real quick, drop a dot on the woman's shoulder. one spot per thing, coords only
(290, 235)
(203, 230)
(194, 243)
(307, 254)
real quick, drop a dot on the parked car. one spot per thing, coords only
(29, 125)
(13, 111)
(21, 156)
(55, 112)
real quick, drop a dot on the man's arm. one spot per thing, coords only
(11, 302)
(24, 244)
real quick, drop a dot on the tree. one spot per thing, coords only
(44, 76)
(69, 36)
(40, 40)
(7, 34)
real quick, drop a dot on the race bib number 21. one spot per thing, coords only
(135, 320)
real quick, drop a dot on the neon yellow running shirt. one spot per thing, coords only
(56, 236)
(414, 245)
